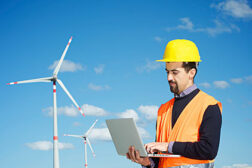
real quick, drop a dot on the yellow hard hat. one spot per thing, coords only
(181, 50)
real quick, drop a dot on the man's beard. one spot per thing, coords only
(174, 88)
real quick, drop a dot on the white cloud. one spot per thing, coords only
(229, 100)
(238, 166)
(98, 87)
(65, 145)
(186, 24)
(99, 69)
(149, 66)
(249, 79)
(212, 31)
(48, 145)
(129, 113)
(158, 39)
(48, 111)
(205, 85)
(94, 87)
(236, 80)
(235, 8)
(93, 110)
(221, 84)
(103, 134)
(76, 124)
(150, 112)
(100, 134)
(143, 133)
(89, 110)
(67, 66)
(70, 111)
(219, 28)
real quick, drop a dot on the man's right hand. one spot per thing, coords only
(134, 156)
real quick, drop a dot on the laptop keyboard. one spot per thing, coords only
(162, 155)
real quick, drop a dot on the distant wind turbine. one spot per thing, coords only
(86, 140)
(54, 79)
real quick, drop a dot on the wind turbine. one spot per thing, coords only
(86, 140)
(54, 79)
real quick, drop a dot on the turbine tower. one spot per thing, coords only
(54, 79)
(86, 140)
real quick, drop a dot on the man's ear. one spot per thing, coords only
(192, 73)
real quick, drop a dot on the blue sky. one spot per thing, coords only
(111, 72)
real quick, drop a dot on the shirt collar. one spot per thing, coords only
(186, 92)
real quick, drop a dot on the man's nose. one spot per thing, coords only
(169, 77)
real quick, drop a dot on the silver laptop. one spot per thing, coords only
(124, 134)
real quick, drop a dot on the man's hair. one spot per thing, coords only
(190, 65)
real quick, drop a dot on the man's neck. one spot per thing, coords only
(186, 91)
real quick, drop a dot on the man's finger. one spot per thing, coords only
(153, 150)
(132, 153)
(138, 155)
(148, 149)
(127, 155)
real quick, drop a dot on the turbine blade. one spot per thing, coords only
(77, 136)
(90, 129)
(70, 96)
(56, 70)
(48, 79)
(90, 147)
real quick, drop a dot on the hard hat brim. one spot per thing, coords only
(166, 60)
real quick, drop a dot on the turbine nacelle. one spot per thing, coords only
(54, 79)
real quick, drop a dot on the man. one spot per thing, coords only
(189, 124)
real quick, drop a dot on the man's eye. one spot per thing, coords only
(175, 73)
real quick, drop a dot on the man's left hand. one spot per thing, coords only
(156, 147)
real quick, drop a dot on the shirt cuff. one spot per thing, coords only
(170, 147)
(152, 164)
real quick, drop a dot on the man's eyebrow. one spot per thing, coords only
(171, 70)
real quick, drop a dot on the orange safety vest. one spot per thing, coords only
(186, 128)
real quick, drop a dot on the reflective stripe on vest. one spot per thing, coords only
(205, 165)
(186, 128)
